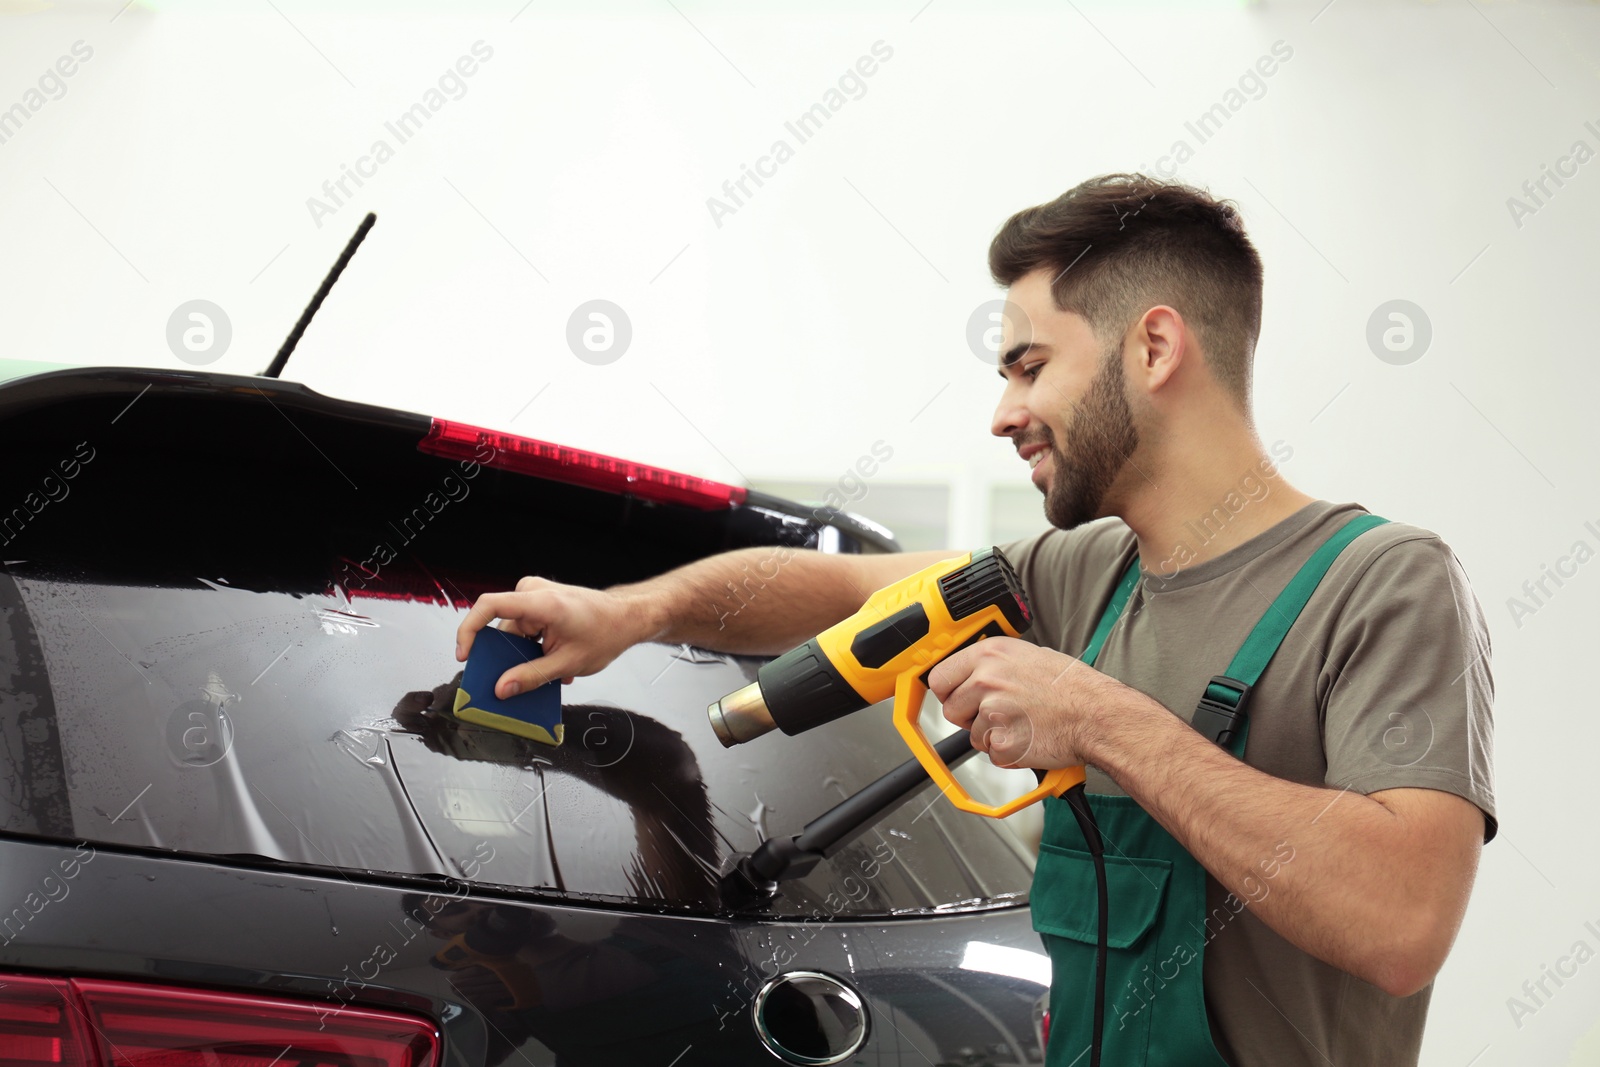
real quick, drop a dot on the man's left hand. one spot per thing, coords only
(1026, 706)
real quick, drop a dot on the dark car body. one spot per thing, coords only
(227, 763)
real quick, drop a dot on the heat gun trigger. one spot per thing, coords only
(910, 690)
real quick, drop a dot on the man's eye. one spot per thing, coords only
(1032, 371)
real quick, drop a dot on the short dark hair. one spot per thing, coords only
(1122, 243)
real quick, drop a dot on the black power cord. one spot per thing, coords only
(1079, 803)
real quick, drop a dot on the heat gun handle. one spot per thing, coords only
(908, 695)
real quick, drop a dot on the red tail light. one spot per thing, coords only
(41, 1024)
(457, 440)
(79, 1022)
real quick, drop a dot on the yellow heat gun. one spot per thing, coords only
(887, 649)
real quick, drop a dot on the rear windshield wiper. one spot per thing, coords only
(753, 880)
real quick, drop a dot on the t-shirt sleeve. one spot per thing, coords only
(1406, 691)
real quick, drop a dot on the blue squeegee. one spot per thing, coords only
(535, 714)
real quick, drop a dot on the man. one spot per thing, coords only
(1290, 862)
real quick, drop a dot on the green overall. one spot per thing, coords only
(1154, 994)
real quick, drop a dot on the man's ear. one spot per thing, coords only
(1160, 344)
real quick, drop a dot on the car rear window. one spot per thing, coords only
(313, 729)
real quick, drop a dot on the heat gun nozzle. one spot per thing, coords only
(741, 716)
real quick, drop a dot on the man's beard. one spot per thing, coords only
(1100, 438)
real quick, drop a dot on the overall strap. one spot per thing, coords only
(1119, 599)
(1220, 714)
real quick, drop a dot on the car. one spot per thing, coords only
(239, 824)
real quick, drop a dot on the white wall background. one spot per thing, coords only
(830, 310)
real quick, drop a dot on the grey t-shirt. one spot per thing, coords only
(1382, 682)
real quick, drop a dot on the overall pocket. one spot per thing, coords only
(1064, 913)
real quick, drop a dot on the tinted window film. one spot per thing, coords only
(206, 718)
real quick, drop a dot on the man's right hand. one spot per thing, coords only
(583, 630)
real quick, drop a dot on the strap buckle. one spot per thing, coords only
(1220, 715)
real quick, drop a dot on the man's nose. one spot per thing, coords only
(1010, 415)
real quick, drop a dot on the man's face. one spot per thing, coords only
(1065, 392)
